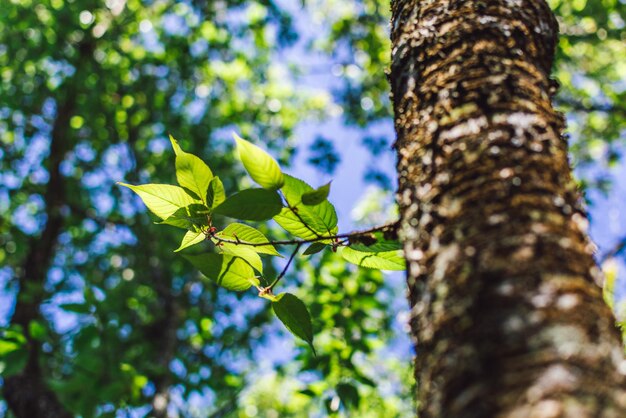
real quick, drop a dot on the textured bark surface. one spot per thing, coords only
(507, 314)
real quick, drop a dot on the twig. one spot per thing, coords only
(282, 273)
(615, 251)
(295, 212)
(592, 107)
(386, 227)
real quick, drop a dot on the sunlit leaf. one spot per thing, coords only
(251, 205)
(377, 247)
(226, 270)
(191, 217)
(8, 346)
(387, 260)
(304, 221)
(191, 172)
(248, 234)
(191, 238)
(609, 268)
(162, 199)
(259, 164)
(246, 253)
(317, 196)
(215, 193)
(293, 313)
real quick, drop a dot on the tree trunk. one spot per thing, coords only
(26, 393)
(506, 311)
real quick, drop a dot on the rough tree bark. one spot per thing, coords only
(507, 314)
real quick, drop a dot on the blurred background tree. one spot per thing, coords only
(99, 317)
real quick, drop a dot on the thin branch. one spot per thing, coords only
(282, 273)
(295, 212)
(579, 106)
(354, 234)
(87, 214)
(615, 251)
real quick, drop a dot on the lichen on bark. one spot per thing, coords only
(507, 315)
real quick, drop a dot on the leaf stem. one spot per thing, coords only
(298, 242)
(294, 210)
(282, 273)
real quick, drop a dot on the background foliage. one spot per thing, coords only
(89, 91)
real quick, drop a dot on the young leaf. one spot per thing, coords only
(259, 164)
(348, 394)
(307, 222)
(609, 269)
(293, 313)
(191, 217)
(175, 146)
(249, 234)
(251, 205)
(317, 196)
(377, 247)
(314, 248)
(215, 193)
(191, 238)
(162, 199)
(245, 253)
(191, 172)
(226, 270)
(387, 260)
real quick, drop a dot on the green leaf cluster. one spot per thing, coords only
(234, 261)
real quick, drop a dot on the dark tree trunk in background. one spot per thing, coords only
(507, 314)
(26, 393)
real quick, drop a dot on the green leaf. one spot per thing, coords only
(191, 172)
(191, 238)
(314, 248)
(293, 313)
(226, 270)
(317, 196)
(14, 333)
(348, 394)
(387, 260)
(191, 217)
(304, 221)
(251, 205)
(7, 347)
(249, 234)
(377, 247)
(80, 308)
(162, 199)
(215, 193)
(300, 227)
(259, 164)
(37, 330)
(246, 253)
(13, 363)
(177, 149)
(608, 290)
